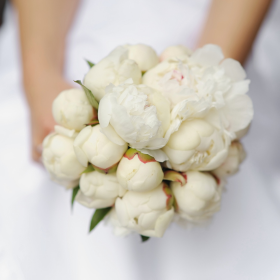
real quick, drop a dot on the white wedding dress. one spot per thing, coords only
(41, 239)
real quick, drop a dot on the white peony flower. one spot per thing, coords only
(230, 166)
(197, 145)
(148, 213)
(201, 86)
(71, 109)
(91, 145)
(60, 160)
(143, 55)
(199, 198)
(98, 190)
(135, 114)
(113, 220)
(175, 52)
(139, 172)
(116, 68)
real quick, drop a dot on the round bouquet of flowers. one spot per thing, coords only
(148, 140)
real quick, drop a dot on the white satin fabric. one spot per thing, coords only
(40, 238)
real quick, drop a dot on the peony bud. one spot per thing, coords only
(71, 109)
(230, 166)
(197, 145)
(199, 198)
(93, 146)
(175, 52)
(113, 69)
(139, 172)
(148, 213)
(98, 190)
(143, 55)
(60, 160)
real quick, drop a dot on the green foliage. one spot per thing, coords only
(98, 216)
(74, 193)
(144, 238)
(89, 169)
(90, 64)
(93, 102)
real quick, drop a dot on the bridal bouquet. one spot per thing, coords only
(148, 140)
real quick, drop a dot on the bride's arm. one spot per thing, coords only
(43, 26)
(233, 25)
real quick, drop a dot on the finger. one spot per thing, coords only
(37, 139)
(36, 153)
(40, 129)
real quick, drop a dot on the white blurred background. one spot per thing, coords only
(40, 238)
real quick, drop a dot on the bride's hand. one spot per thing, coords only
(40, 95)
(233, 25)
(43, 27)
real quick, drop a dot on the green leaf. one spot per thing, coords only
(93, 102)
(74, 193)
(98, 216)
(90, 63)
(144, 238)
(89, 169)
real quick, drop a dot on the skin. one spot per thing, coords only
(44, 24)
(233, 25)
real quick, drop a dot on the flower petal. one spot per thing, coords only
(163, 222)
(112, 135)
(159, 155)
(216, 161)
(208, 55)
(233, 69)
(118, 54)
(105, 111)
(175, 124)
(238, 88)
(71, 133)
(84, 200)
(77, 145)
(122, 123)
(122, 213)
(239, 112)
